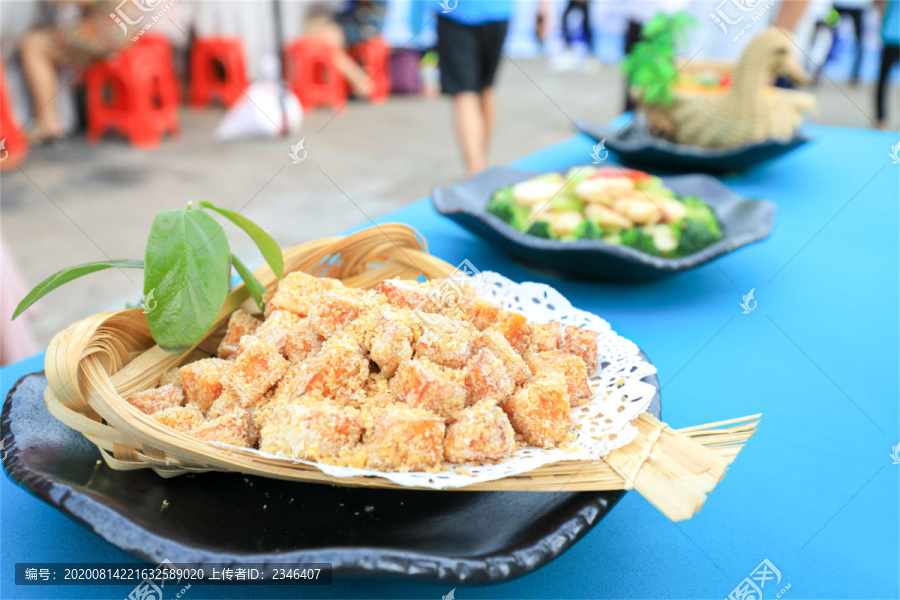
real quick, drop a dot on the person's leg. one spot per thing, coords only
(492, 37)
(42, 79)
(332, 33)
(889, 55)
(586, 24)
(566, 29)
(488, 101)
(856, 15)
(470, 130)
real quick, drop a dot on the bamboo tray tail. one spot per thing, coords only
(96, 363)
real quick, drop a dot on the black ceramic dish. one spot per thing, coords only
(634, 146)
(743, 222)
(214, 518)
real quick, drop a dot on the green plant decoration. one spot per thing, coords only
(650, 66)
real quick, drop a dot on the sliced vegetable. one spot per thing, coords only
(562, 203)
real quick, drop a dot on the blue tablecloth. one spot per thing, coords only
(815, 491)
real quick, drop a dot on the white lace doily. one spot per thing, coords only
(601, 425)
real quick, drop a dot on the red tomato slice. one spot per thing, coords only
(632, 174)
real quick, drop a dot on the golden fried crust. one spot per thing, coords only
(240, 323)
(338, 371)
(235, 428)
(390, 343)
(423, 384)
(515, 329)
(583, 343)
(301, 342)
(404, 294)
(487, 378)
(331, 312)
(157, 399)
(570, 367)
(313, 430)
(202, 381)
(545, 337)
(297, 293)
(405, 439)
(277, 327)
(257, 367)
(539, 410)
(171, 377)
(180, 418)
(481, 313)
(446, 342)
(495, 342)
(483, 432)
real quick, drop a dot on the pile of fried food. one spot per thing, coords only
(396, 378)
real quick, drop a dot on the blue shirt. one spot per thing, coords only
(890, 26)
(476, 12)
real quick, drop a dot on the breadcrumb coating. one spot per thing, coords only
(569, 366)
(539, 410)
(157, 399)
(240, 323)
(482, 433)
(408, 376)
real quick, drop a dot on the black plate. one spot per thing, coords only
(635, 147)
(210, 518)
(743, 222)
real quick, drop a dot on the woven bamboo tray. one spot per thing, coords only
(96, 363)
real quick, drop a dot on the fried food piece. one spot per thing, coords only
(338, 371)
(240, 323)
(202, 381)
(446, 341)
(545, 336)
(313, 430)
(331, 312)
(157, 399)
(406, 294)
(569, 366)
(513, 327)
(180, 418)
(390, 344)
(171, 377)
(495, 342)
(298, 291)
(301, 342)
(277, 328)
(539, 410)
(227, 401)
(481, 313)
(256, 368)
(405, 439)
(583, 343)
(424, 384)
(487, 378)
(483, 432)
(235, 428)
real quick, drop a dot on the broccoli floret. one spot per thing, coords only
(696, 235)
(699, 211)
(540, 229)
(639, 240)
(503, 207)
(587, 231)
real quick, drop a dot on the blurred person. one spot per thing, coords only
(854, 10)
(890, 53)
(16, 341)
(470, 44)
(94, 36)
(582, 7)
(359, 21)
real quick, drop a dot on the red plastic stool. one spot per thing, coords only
(13, 143)
(312, 74)
(374, 55)
(217, 70)
(131, 93)
(163, 48)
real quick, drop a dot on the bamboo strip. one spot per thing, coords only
(92, 365)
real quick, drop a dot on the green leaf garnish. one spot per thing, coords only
(66, 275)
(256, 289)
(267, 246)
(188, 264)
